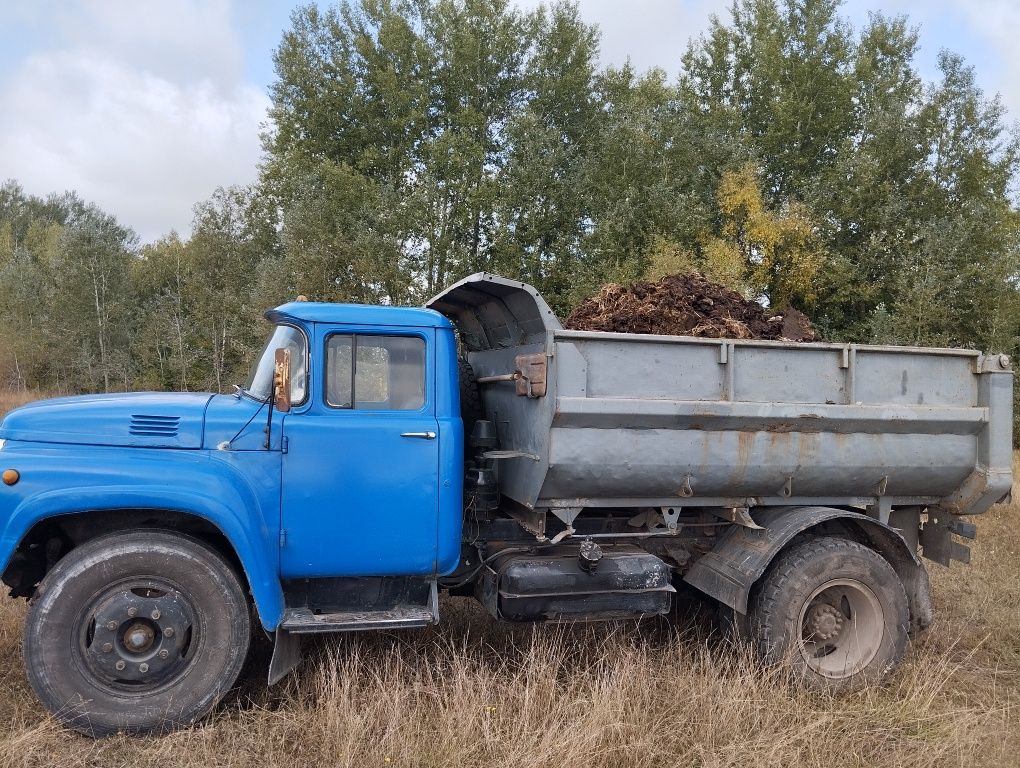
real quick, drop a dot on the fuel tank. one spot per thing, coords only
(568, 583)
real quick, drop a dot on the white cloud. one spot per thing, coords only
(144, 106)
(140, 107)
(182, 40)
(651, 33)
(982, 31)
(997, 21)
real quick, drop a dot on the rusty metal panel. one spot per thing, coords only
(532, 381)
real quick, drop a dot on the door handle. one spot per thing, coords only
(422, 435)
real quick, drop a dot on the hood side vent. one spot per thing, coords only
(143, 425)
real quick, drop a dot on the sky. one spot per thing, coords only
(146, 106)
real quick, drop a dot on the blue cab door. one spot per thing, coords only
(360, 484)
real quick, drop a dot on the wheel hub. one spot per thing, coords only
(138, 636)
(825, 621)
(842, 628)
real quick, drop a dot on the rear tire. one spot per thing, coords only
(834, 610)
(138, 632)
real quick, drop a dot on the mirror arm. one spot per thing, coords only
(269, 420)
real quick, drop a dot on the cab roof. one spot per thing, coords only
(357, 314)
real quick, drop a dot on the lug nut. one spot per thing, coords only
(169, 631)
(119, 665)
(107, 647)
(143, 668)
(155, 615)
(132, 611)
(164, 653)
(111, 625)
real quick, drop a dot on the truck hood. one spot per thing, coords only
(134, 419)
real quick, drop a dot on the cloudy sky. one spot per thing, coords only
(146, 106)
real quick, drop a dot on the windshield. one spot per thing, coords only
(260, 384)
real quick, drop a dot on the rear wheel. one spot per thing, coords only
(834, 610)
(139, 632)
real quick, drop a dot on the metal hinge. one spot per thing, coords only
(283, 538)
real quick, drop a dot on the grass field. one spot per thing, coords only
(474, 693)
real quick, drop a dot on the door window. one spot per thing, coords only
(381, 373)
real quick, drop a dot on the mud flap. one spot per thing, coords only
(286, 655)
(922, 611)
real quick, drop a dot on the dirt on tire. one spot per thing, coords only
(686, 305)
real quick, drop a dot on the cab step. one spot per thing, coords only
(305, 621)
(350, 605)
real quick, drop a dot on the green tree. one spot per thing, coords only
(908, 186)
(780, 76)
(163, 346)
(91, 279)
(224, 257)
(415, 142)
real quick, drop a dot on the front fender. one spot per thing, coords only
(238, 492)
(741, 555)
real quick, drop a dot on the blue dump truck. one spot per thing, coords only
(379, 456)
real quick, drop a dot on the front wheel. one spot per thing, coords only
(137, 632)
(834, 610)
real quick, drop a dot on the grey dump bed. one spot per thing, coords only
(635, 420)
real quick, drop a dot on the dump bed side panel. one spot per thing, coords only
(664, 419)
(633, 420)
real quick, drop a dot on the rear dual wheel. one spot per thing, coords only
(137, 632)
(834, 610)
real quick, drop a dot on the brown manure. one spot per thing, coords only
(686, 305)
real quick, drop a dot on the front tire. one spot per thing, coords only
(834, 610)
(138, 632)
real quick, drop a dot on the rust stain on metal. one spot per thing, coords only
(806, 447)
(745, 442)
(532, 381)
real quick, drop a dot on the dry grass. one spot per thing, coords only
(472, 692)
(13, 398)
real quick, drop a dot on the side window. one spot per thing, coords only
(339, 368)
(380, 373)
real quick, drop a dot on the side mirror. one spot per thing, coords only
(281, 380)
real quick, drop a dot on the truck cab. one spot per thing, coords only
(371, 448)
(336, 504)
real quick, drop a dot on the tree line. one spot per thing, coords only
(412, 142)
